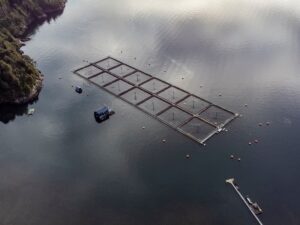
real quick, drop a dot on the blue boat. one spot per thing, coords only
(102, 113)
(78, 89)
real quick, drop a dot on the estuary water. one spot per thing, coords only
(61, 167)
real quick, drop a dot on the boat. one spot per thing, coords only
(78, 89)
(257, 210)
(103, 113)
(254, 206)
(30, 111)
(249, 200)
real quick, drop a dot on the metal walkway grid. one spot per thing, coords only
(189, 114)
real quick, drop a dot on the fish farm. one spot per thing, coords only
(187, 113)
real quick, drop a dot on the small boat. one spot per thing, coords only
(30, 111)
(254, 206)
(103, 113)
(249, 200)
(78, 89)
(257, 210)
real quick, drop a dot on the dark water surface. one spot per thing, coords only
(60, 167)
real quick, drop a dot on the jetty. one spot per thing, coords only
(231, 182)
(191, 115)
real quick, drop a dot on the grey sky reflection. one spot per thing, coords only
(252, 43)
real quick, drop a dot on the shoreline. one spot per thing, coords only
(13, 95)
(48, 14)
(33, 95)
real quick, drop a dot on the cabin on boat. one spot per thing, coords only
(78, 89)
(102, 114)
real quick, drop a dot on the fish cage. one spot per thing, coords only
(191, 115)
(89, 71)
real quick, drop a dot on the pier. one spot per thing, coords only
(231, 181)
(191, 115)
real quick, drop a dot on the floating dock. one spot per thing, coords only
(188, 114)
(231, 181)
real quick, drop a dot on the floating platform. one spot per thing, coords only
(187, 113)
(253, 207)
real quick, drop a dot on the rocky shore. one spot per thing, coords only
(20, 80)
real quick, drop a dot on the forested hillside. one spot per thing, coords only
(20, 81)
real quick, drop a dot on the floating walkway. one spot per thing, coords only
(231, 181)
(188, 114)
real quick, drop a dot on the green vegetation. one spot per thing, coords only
(20, 81)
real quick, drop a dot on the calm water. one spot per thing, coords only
(60, 167)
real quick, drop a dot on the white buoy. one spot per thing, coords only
(30, 111)
(143, 127)
(187, 156)
(164, 140)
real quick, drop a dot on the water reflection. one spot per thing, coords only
(118, 173)
(51, 17)
(8, 112)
